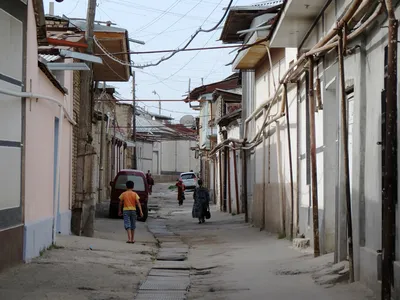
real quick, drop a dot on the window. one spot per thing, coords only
(120, 183)
(188, 176)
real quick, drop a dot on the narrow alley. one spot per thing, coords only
(226, 259)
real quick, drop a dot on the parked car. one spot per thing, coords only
(189, 179)
(118, 186)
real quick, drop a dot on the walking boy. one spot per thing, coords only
(127, 208)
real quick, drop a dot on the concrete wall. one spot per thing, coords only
(364, 71)
(268, 167)
(144, 156)
(40, 143)
(177, 157)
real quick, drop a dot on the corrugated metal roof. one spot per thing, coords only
(49, 57)
(97, 27)
(147, 125)
(269, 3)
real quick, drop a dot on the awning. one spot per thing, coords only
(296, 19)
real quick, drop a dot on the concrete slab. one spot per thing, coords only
(171, 257)
(166, 283)
(175, 265)
(161, 295)
(169, 273)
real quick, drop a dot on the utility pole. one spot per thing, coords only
(84, 209)
(134, 158)
(102, 143)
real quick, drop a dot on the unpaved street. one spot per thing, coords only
(231, 260)
(224, 258)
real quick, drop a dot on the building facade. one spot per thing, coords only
(13, 19)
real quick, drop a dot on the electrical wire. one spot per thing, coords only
(173, 24)
(191, 39)
(188, 62)
(75, 7)
(159, 17)
(150, 9)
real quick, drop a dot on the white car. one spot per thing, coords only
(189, 179)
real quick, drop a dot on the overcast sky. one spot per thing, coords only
(165, 24)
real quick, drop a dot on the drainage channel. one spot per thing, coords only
(169, 278)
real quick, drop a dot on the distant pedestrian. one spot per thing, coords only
(181, 191)
(201, 206)
(127, 208)
(150, 182)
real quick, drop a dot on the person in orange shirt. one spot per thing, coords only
(127, 207)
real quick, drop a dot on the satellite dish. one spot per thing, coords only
(187, 120)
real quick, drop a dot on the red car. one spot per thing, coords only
(118, 186)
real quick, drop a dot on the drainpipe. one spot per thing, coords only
(390, 190)
(263, 182)
(244, 185)
(220, 181)
(298, 158)
(229, 181)
(311, 114)
(236, 179)
(225, 174)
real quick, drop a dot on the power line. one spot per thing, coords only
(188, 62)
(146, 8)
(197, 4)
(160, 16)
(191, 39)
(172, 50)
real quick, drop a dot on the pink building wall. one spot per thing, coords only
(39, 153)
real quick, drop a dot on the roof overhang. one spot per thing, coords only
(113, 40)
(295, 20)
(241, 18)
(40, 22)
(228, 96)
(229, 118)
(67, 66)
(250, 57)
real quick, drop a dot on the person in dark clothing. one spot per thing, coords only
(201, 205)
(181, 191)
(150, 182)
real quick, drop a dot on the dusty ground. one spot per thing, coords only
(229, 260)
(232, 260)
(100, 268)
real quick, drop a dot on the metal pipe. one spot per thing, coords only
(225, 174)
(236, 182)
(38, 96)
(316, 20)
(220, 181)
(298, 159)
(244, 185)
(229, 181)
(281, 179)
(263, 189)
(311, 115)
(342, 22)
(290, 164)
(319, 94)
(345, 137)
(351, 36)
(390, 179)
